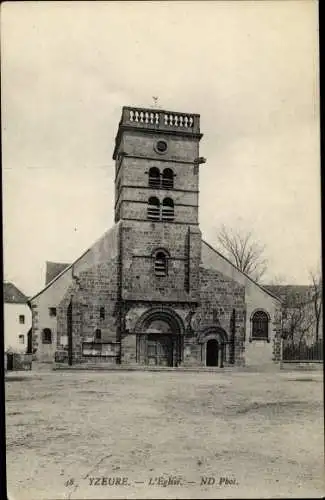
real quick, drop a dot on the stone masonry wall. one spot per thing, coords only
(277, 336)
(219, 297)
(104, 249)
(139, 155)
(139, 281)
(95, 289)
(217, 294)
(180, 148)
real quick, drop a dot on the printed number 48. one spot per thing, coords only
(69, 482)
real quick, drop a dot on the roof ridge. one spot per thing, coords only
(233, 265)
(73, 263)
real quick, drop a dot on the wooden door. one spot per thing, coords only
(160, 350)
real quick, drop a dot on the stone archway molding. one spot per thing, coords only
(213, 332)
(162, 313)
(259, 309)
(251, 320)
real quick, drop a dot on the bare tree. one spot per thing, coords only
(243, 250)
(297, 321)
(302, 312)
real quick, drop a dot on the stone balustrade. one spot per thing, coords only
(160, 119)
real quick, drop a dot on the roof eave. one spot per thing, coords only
(246, 275)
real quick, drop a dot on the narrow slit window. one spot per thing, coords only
(168, 210)
(161, 264)
(153, 211)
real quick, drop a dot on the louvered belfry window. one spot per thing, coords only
(161, 264)
(167, 179)
(153, 210)
(161, 181)
(154, 177)
(167, 210)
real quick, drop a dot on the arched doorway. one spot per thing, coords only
(159, 338)
(215, 346)
(212, 352)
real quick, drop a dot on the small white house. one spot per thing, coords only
(17, 320)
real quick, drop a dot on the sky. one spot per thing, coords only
(250, 69)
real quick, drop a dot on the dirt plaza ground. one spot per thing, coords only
(120, 434)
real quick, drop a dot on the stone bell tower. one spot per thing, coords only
(156, 201)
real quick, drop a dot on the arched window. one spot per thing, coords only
(102, 312)
(168, 178)
(154, 177)
(260, 326)
(161, 260)
(167, 210)
(46, 336)
(153, 210)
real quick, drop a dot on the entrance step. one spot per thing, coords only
(143, 368)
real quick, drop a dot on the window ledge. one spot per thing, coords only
(263, 339)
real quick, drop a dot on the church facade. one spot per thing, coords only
(151, 291)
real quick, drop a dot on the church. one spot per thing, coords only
(151, 291)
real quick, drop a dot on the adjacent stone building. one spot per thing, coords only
(150, 291)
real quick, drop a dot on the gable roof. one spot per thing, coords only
(66, 267)
(12, 295)
(53, 269)
(69, 266)
(268, 292)
(292, 295)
